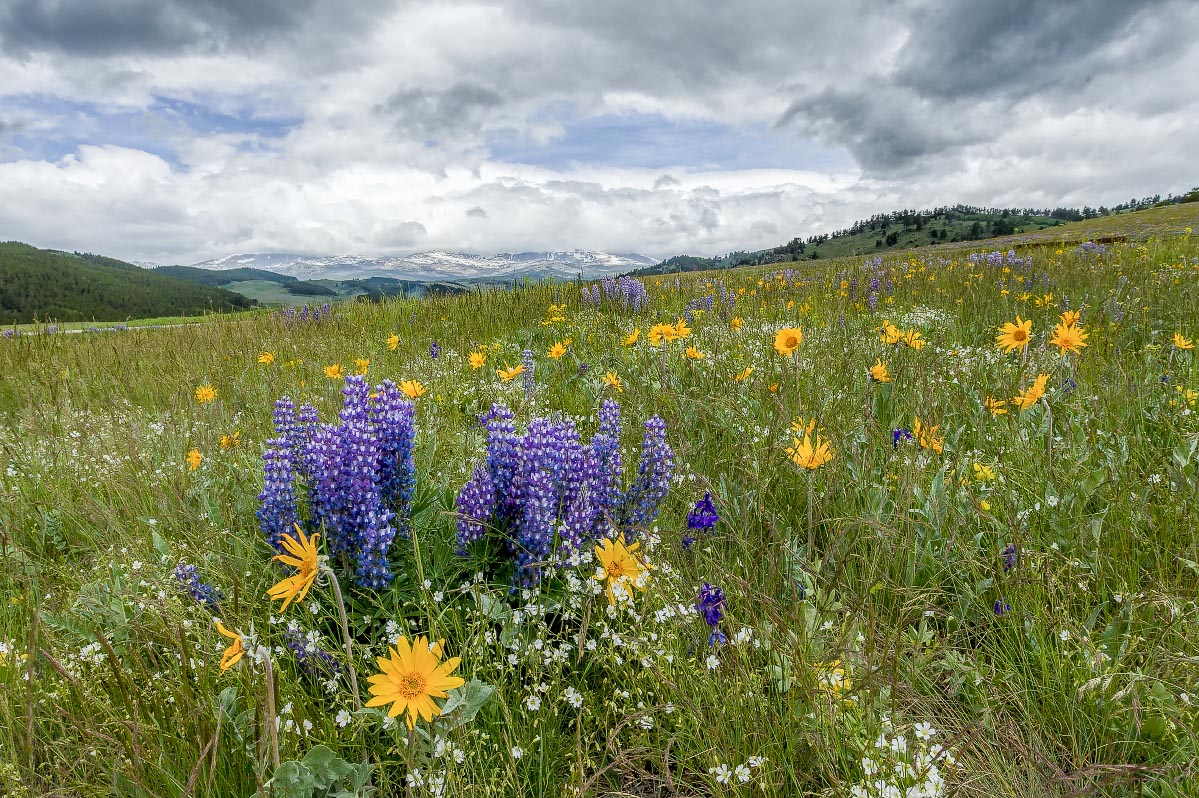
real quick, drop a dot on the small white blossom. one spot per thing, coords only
(722, 773)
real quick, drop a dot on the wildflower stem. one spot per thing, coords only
(411, 756)
(271, 728)
(811, 517)
(345, 636)
(1049, 437)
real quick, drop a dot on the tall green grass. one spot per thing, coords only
(1086, 686)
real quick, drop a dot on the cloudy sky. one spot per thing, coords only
(177, 130)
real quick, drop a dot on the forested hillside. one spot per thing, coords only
(42, 284)
(905, 229)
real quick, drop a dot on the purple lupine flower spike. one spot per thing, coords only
(277, 510)
(641, 502)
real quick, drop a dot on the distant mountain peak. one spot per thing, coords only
(436, 265)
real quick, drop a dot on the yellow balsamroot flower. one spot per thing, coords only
(744, 375)
(926, 436)
(508, 373)
(621, 568)
(996, 407)
(983, 473)
(736, 323)
(303, 556)
(205, 393)
(913, 340)
(632, 337)
(662, 334)
(393, 342)
(1069, 338)
(1182, 343)
(804, 427)
(1070, 317)
(612, 381)
(413, 389)
(412, 676)
(878, 372)
(890, 333)
(194, 458)
(693, 353)
(556, 351)
(984, 505)
(478, 360)
(787, 340)
(231, 441)
(1031, 395)
(362, 364)
(1043, 301)
(806, 455)
(681, 330)
(235, 651)
(266, 358)
(1023, 297)
(773, 387)
(335, 372)
(1014, 336)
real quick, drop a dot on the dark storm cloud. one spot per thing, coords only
(965, 66)
(93, 28)
(980, 50)
(476, 212)
(883, 129)
(423, 113)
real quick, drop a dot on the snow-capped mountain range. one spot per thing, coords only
(436, 265)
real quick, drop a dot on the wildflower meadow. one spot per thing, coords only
(882, 527)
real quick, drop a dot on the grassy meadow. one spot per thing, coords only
(967, 598)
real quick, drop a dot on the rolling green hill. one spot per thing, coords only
(906, 229)
(271, 288)
(44, 284)
(230, 279)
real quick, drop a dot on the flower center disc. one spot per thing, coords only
(411, 685)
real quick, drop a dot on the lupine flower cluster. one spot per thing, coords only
(711, 606)
(200, 592)
(434, 350)
(629, 292)
(545, 492)
(703, 303)
(359, 474)
(877, 282)
(305, 313)
(1090, 248)
(998, 259)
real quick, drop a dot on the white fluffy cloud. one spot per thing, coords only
(217, 126)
